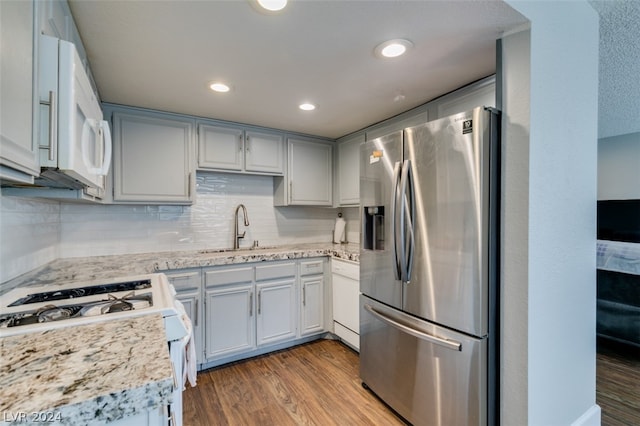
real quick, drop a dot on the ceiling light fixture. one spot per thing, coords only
(392, 48)
(272, 5)
(219, 87)
(307, 107)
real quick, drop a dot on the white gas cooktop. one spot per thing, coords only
(33, 309)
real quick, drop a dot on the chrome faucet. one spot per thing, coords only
(236, 234)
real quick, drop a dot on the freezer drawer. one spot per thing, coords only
(429, 374)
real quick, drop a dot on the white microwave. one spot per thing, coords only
(75, 142)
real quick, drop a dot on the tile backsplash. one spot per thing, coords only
(29, 235)
(34, 232)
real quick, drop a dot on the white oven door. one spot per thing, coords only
(84, 138)
(182, 359)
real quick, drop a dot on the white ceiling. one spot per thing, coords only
(163, 54)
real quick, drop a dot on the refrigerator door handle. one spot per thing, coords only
(395, 220)
(449, 344)
(408, 214)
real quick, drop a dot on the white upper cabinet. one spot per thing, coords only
(153, 158)
(309, 179)
(18, 115)
(348, 170)
(236, 149)
(264, 152)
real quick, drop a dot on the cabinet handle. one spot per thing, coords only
(251, 304)
(246, 144)
(196, 313)
(304, 295)
(259, 302)
(290, 191)
(53, 126)
(240, 143)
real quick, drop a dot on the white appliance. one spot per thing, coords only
(35, 309)
(75, 142)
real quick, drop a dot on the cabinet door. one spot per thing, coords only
(264, 152)
(152, 160)
(192, 305)
(19, 151)
(188, 285)
(230, 320)
(276, 308)
(349, 171)
(310, 173)
(220, 147)
(312, 312)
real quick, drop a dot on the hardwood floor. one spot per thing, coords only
(312, 384)
(318, 384)
(618, 384)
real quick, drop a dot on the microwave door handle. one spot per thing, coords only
(106, 140)
(87, 126)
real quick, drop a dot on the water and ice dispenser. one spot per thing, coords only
(373, 232)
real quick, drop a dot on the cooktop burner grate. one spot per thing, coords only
(50, 313)
(71, 293)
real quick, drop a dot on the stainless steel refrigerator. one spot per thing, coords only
(428, 269)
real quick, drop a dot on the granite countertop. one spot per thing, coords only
(95, 372)
(92, 268)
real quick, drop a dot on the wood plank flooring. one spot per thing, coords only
(312, 384)
(318, 384)
(618, 384)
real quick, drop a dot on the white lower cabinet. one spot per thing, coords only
(312, 296)
(188, 285)
(231, 326)
(276, 320)
(230, 311)
(345, 277)
(249, 309)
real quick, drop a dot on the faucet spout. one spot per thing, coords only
(236, 231)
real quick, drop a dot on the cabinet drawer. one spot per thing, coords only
(228, 276)
(347, 269)
(279, 270)
(184, 280)
(311, 267)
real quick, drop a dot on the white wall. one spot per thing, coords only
(34, 232)
(515, 226)
(560, 228)
(619, 167)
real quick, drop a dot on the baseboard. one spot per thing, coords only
(591, 417)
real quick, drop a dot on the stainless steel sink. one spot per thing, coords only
(240, 250)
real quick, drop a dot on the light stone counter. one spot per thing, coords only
(69, 270)
(90, 373)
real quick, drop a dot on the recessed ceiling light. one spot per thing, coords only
(272, 5)
(307, 107)
(392, 48)
(219, 87)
